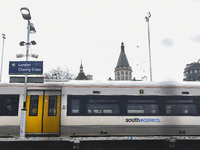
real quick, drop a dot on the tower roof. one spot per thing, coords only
(81, 75)
(122, 61)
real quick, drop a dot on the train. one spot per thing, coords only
(94, 108)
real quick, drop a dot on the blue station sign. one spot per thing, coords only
(25, 67)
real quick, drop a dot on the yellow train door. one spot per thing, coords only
(51, 116)
(43, 112)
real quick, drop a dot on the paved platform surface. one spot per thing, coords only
(105, 138)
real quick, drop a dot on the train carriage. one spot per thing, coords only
(113, 108)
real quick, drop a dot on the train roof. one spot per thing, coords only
(89, 83)
(133, 84)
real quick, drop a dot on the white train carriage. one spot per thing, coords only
(131, 108)
(88, 108)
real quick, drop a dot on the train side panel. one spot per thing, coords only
(124, 126)
(11, 99)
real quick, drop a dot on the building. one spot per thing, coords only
(123, 71)
(82, 76)
(192, 72)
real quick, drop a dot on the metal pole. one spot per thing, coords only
(4, 37)
(23, 111)
(147, 20)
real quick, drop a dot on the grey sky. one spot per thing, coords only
(69, 31)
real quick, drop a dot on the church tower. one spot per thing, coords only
(81, 75)
(123, 71)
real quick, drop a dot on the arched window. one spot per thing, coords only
(118, 76)
(122, 75)
(126, 75)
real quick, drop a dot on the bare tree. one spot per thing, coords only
(60, 73)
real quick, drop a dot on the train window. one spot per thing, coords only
(52, 108)
(181, 109)
(142, 101)
(9, 105)
(33, 111)
(180, 101)
(75, 106)
(145, 109)
(102, 101)
(102, 106)
(102, 109)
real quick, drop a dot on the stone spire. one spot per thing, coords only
(122, 61)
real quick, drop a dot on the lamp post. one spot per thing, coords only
(147, 20)
(4, 37)
(30, 29)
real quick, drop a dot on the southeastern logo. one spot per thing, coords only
(142, 120)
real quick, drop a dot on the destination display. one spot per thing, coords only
(25, 67)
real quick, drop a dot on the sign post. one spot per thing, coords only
(25, 68)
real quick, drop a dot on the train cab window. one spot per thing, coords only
(181, 107)
(52, 108)
(102, 107)
(9, 105)
(33, 111)
(143, 107)
(75, 106)
(9, 108)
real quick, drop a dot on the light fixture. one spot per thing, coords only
(34, 55)
(147, 17)
(22, 43)
(19, 55)
(25, 13)
(3, 36)
(33, 43)
(30, 55)
(32, 28)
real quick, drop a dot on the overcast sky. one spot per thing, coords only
(69, 31)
